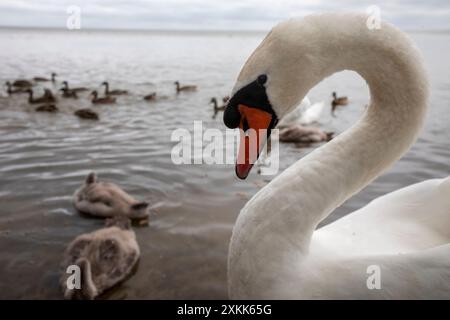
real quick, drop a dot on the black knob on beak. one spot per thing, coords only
(231, 116)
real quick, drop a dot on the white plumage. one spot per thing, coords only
(275, 250)
(303, 114)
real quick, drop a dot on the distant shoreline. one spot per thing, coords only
(178, 31)
(168, 31)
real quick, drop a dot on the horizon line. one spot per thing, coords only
(431, 30)
(133, 29)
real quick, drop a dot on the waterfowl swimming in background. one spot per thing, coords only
(47, 97)
(21, 83)
(150, 97)
(41, 79)
(47, 108)
(277, 250)
(11, 91)
(76, 90)
(337, 101)
(106, 199)
(112, 92)
(87, 114)
(304, 135)
(106, 257)
(49, 94)
(103, 100)
(68, 93)
(216, 106)
(217, 109)
(184, 88)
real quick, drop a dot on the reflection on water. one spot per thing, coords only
(45, 157)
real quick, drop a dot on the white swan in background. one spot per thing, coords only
(303, 114)
(275, 249)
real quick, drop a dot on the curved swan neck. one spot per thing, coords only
(278, 222)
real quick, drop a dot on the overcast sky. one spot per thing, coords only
(212, 14)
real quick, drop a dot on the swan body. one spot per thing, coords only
(275, 249)
(105, 199)
(105, 257)
(86, 114)
(303, 114)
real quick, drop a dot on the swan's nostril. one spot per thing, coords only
(245, 125)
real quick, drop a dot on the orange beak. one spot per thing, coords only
(254, 128)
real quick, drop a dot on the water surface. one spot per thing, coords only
(45, 157)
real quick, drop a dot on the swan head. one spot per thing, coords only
(273, 81)
(250, 109)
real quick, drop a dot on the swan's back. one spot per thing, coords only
(313, 113)
(405, 221)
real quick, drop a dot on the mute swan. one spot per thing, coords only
(112, 92)
(337, 101)
(105, 257)
(86, 114)
(105, 199)
(304, 114)
(184, 88)
(275, 249)
(103, 100)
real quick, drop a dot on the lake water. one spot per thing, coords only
(45, 157)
